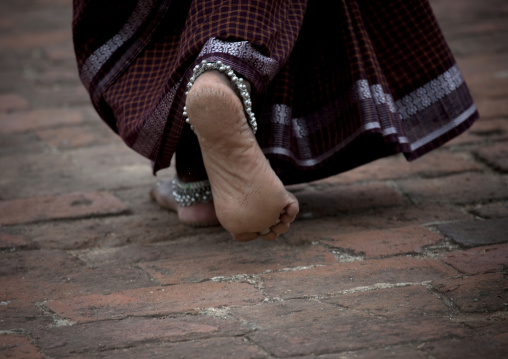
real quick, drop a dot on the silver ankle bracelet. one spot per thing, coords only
(188, 194)
(237, 81)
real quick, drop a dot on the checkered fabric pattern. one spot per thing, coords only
(335, 84)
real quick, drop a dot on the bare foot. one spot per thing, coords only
(198, 215)
(249, 198)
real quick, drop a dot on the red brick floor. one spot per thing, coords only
(391, 260)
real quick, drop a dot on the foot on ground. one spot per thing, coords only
(249, 198)
(198, 215)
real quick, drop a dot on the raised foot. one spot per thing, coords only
(249, 198)
(199, 215)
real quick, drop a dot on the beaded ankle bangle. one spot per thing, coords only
(237, 81)
(188, 194)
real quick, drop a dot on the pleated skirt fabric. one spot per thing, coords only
(334, 84)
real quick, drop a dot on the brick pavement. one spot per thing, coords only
(394, 259)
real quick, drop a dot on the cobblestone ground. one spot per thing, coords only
(389, 260)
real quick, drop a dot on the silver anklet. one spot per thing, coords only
(188, 194)
(237, 81)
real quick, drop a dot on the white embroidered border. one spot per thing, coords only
(151, 133)
(281, 114)
(430, 93)
(417, 100)
(373, 125)
(244, 50)
(362, 91)
(93, 64)
(408, 106)
(314, 161)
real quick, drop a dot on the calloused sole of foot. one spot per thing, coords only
(249, 198)
(198, 215)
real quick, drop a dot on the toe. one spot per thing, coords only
(280, 228)
(291, 210)
(271, 236)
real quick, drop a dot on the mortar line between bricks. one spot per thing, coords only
(15, 331)
(359, 352)
(149, 276)
(57, 320)
(444, 298)
(349, 254)
(491, 167)
(161, 340)
(127, 212)
(268, 355)
(25, 333)
(459, 247)
(360, 289)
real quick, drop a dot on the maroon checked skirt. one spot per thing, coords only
(336, 84)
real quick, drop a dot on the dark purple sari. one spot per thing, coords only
(335, 84)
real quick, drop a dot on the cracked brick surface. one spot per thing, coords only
(394, 259)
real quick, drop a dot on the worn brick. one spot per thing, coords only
(380, 317)
(434, 164)
(346, 276)
(401, 351)
(107, 167)
(182, 298)
(479, 260)
(36, 276)
(37, 263)
(114, 165)
(492, 108)
(76, 136)
(462, 188)
(298, 328)
(16, 316)
(479, 293)
(107, 232)
(305, 231)
(17, 145)
(492, 347)
(33, 174)
(196, 265)
(487, 43)
(64, 285)
(485, 325)
(60, 52)
(67, 137)
(61, 96)
(14, 242)
(385, 242)
(62, 75)
(340, 199)
(483, 65)
(495, 155)
(496, 86)
(18, 346)
(71, 205)
(214, 246)
(390, 352)
(34, 39)
(491, 210)
(477, 233)
(486, 75)
(76, 340)
(400, 302)
(483, 130)
(12, 102)
(216, 348)
(37, 119)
